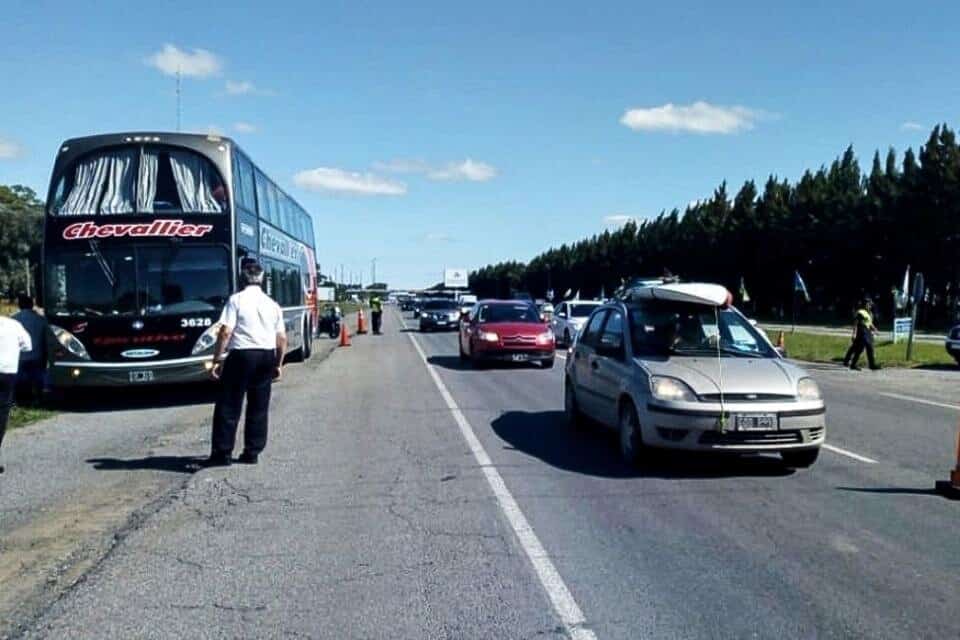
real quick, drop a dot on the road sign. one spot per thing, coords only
(453, 278)
(901, 329)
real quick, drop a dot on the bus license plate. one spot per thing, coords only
(756, 422)
(141, 376)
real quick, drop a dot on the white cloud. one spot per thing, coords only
(699, 117)
(437, 237)
(244, 88)
(468, 169)
(240, 88)
(617, 220)
(199, 63)
(9, 149)
(244, 127)
(912, 126)
(332, 180)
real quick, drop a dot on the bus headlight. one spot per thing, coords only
(206, 340)
(69, 342)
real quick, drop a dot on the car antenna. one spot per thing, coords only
(716, 315)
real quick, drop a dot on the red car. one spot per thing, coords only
(506, 330)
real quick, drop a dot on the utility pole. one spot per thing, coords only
(373, 272)
(178, 99)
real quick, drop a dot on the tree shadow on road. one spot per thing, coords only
(594, 451)
(132, 398)
(173, 464)
(892, 490)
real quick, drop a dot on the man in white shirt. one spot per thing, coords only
(14, 340)
(253, 337)
(30, 377)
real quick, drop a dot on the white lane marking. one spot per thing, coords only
(560, 597)
(562, 356)
(849, 454)
(932, 403)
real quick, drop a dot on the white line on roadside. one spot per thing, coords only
(932, 403)
(563, 603)
(849, 454)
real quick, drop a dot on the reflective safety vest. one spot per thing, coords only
(376, 304)
(865, 316)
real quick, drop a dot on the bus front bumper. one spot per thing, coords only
(123, 374)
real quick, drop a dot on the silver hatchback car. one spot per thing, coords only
(676, 366)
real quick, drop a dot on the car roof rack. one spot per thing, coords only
(624, 293)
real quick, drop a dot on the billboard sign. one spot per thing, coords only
(454, 278)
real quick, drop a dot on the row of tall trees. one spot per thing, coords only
(848, 234)
(21, 230)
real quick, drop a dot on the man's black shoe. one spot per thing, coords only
(2, 469)
(248, 458)
(855, 368)
(217, 460)
(876, 368)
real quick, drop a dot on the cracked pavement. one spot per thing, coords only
(366, 517)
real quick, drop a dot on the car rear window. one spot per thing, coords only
(509, 313)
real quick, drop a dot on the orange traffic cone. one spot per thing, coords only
(344, 335)
(361, 322)
(951, 488)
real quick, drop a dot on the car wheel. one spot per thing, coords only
(631, 443)
(566, 337)
(571, 408)
(800, 459)
(548, 363)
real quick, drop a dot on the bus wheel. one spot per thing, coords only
(307, 340)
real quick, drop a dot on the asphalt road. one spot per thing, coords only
(398, 500)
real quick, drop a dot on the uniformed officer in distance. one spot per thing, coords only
(254, 340)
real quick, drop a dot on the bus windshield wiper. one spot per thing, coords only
(107, 272)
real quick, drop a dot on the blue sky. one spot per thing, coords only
(428, 135)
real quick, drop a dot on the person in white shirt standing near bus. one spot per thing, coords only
(14, 340)
(253, 337)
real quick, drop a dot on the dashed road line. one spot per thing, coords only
(932, 403)
(562, 600)
(849, 454)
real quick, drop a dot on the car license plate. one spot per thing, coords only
(756, 422)
(519, 357)
(141, 376)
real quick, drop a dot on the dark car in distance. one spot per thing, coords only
(439, 315)
(507, 331)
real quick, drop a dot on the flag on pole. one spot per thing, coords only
(905, 289)
(744, 296)
(800, 285)
(603, 292)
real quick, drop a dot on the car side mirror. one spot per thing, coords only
(562, 314)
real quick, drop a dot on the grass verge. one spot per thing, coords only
(820, 348)
(22, 416)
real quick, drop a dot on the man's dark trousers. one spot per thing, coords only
(377, 320)
(246, 372)
(8, 382)
(859, 345)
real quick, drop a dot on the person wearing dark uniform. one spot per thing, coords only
(253, 336)
(376, 312)
(862, 338)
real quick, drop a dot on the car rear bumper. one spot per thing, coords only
(515, 355)
(105, 374)
(434, 325)
(953, 347)
(700, 430)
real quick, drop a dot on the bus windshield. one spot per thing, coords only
(134, 279)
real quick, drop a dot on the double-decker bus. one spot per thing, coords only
(143, 239)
